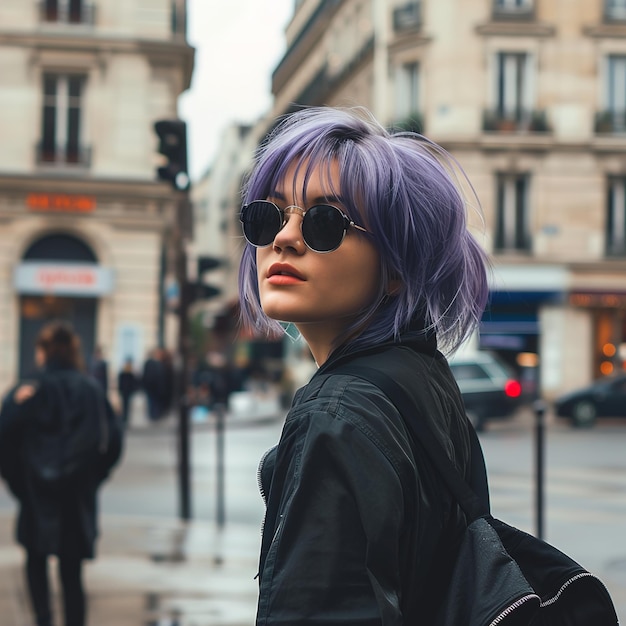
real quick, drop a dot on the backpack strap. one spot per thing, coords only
(422, 433)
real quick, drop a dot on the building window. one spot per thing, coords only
(513, 95)
(613, 118)
(178, 17)
(512, 228)
(61, 126)
(615, 10)
(513, 85)
(406, 92)
(66, 11)
(513, 9)
(616, 218)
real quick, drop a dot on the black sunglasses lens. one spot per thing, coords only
(323, 228)
(261, 222)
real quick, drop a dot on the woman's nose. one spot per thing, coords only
(290, 235)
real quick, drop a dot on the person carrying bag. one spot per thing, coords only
(357, 237)
(502, 576)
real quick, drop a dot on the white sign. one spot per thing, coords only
(63, 279)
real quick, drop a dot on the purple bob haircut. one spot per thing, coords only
(403, 189)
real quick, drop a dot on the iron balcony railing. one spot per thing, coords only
(504, 11)
(610, 122)
(63, 156)
(407, 17)
(497, 120)
(413, 123)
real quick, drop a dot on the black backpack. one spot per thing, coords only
(68, 430)
(502, 575)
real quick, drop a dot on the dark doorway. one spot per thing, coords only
(38, 310)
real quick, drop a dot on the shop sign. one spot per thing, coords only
(598, 300)
(60, 202)
(63, 279)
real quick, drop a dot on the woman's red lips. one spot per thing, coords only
(281, 273)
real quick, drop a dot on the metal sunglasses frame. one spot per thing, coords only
(295, 209)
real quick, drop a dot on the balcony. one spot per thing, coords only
(413, 123)
(504, 12)
(614, 11)
(407, 17)
(521, 121)
(59, 13)
(610, 123)
(63, 157)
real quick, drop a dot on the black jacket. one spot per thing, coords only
(357, 529)
(52, 521)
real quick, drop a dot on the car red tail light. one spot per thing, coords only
(512, 389)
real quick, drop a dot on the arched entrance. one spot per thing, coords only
(56, 282)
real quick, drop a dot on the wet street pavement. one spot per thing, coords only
(155, 570)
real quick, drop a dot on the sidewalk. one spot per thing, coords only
(152, 573)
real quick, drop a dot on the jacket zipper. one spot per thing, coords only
(514, 607)
(260, 484)
(566, 584)
(259, 472)
(546, 603)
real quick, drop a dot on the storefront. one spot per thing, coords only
(93, 258)
(607, 310)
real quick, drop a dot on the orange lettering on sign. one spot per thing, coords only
(55, 278)
(64, 203)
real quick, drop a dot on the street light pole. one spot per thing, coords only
(172, 134)
(184, 465)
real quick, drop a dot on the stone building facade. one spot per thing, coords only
(530, 98)
(83, 223)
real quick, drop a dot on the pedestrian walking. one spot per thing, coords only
(154, 384)
(59, 440)
(99, 368)
(127, 385)
(359, 238)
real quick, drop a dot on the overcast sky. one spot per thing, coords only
(238, 44)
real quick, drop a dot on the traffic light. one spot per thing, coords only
(173, 145)
(199, 290)
(206, 263)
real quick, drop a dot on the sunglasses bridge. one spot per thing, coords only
(294, 208)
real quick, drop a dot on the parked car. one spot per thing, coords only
(603, 398)
(489, 388)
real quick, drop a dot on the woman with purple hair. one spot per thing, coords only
(358, 238)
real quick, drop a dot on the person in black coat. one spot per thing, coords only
(127, 385)
(153, 381)
(99, 368)
(357, 238)
(59, 440)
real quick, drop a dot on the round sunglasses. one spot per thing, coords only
(323, 226)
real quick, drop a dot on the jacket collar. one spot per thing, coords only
(416, 337)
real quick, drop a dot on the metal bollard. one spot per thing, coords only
(539, 407)
(220, 415)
